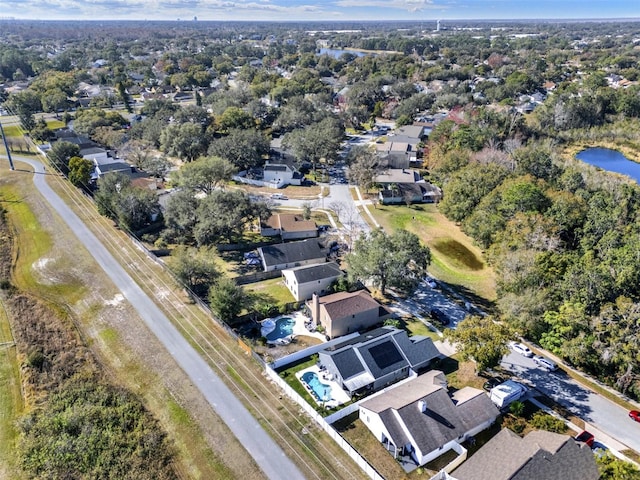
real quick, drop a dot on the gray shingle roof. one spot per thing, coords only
(539, 455)
(312, 273)
(380, 352)
(291, 252)
(442, 420)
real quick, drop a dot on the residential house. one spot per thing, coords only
(280, 175)
(292, 254)
(112, 167)
(398, 176)
(96, 154)
(288, 226)
(419, 421)
(539, 455)
(377, 359)
(410, 193)
(304, 281)
(346, 312)
(395, 154)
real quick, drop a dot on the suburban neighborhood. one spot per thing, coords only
(303, 250)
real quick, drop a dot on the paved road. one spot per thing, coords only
(267, 454)
(591, 407)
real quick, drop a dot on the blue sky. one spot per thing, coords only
(290, 10)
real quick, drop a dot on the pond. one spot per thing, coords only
(610, 160)
(337, 53)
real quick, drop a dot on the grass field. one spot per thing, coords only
(10, 399)
(13, 131)
(271, 291)
(455, 259)
(57, 280)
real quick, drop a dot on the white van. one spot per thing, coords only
(545, 363)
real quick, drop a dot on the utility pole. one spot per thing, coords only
(6, 146)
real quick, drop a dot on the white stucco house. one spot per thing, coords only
(419, 421)
(304, 281)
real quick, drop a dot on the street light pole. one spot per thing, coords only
(6, 146)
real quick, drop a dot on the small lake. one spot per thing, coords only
(610, 160)
(337, 53)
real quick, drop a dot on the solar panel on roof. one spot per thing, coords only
(385, 354)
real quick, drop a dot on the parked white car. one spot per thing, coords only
(545, 363)
(522, 349)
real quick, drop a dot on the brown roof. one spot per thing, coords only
(406, 393)
(290, 222)
(345, 304)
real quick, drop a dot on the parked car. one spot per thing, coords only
(522, 349)
(439, 316)
(492, 382)
(634, 415)
(586, 437)
(279, 196)
(431, 283)
(545, 363)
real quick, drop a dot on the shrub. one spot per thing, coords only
(517, 408)
(544, 421)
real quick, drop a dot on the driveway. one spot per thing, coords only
(266, 453)
(589, 406)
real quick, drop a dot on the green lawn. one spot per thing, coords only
(55, 124)
(271, 291)
(455, 259)
(13, 131)
(10, 400)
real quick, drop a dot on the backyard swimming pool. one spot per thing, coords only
(322, 390)
(280, 328)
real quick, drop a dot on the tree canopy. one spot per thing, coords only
(397, 260)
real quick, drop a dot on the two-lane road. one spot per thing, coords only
(595, 409)
(267, 454)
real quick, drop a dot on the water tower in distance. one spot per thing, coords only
(437, 25)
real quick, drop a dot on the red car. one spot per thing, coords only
(635, 415)
(586, 437)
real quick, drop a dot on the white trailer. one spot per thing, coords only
(507, 392)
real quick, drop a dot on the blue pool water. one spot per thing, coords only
(322, 390)
(611, 160)
(337, 53)
(284, 328)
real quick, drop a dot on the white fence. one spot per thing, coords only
(355, 456)
(258, 183)
(307, 352)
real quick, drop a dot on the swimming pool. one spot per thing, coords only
(283, 328)
(322, 390)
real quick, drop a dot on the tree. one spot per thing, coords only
(397, 260)
(226, 299)
(480, 339)
(180, 216)
(205, 174)
(235, 117)
(363, 166)
(223, 215)
(196, 268)
(317, 141)
(185, 141)
(243, 148)
(80, 171)
(60, 154)
(612, 468)
(136, 208)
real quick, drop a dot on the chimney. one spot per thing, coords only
(422, 406)
(315, 311)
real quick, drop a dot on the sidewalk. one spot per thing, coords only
(363, 203)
